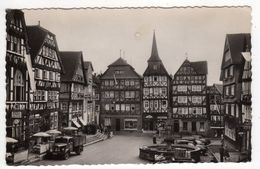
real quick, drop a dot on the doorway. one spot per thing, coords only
(193, 126)
(176, 126)
(117, 124)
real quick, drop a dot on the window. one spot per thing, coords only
(19, 93)
(146, 91)
(182, 99)
(227, 109)
(164, 91)
(130, 124)
(202, 126)
(232, 109)
(155, 78)
(127, 82)
(164, 103)
(185, 125)
(107, 121)
(37, 73)
(231, 71)
(45, 74)
(106, 83)
(132, 107)
(51, 76)
(155, 67)
(122, 107)
(117, 107)
(111, 94)
(156, 91)
(127, 107)
(146, 104)
(156, 104)
(233, 90)
(132, 83)
(106, 107)
(182, 88)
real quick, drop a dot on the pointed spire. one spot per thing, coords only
(154, 55)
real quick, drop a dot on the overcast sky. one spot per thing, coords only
(101, 33)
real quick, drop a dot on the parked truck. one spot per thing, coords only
(66, 144)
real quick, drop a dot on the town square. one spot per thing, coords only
(128, 86)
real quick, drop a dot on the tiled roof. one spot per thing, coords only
(119, 62)
(126, 71)
(237, 43)
(219, 87)
(200, 67)
(70, 61)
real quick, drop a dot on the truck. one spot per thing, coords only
(65, 145)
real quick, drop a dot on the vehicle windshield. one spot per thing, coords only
(61, 140)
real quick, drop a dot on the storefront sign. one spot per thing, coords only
(17, 114)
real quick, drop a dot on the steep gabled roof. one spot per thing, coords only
(70, 61)
(200, 67)
(127, 71)
(219, 87)
(154, 54)
(119, 62)
(36, 35)
(36, 38)
(236, 43)
(155, 60)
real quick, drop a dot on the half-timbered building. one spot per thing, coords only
(216, 110)
(18, 64)
(46, 63)
(89, 102)
(121, 97)
(189, 88)
(72, 89)
(247, 102)
(156, 92)
(232, 68)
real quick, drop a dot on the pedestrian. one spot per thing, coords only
(154, 139)
(226, 153)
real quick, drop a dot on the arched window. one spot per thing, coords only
(19, 86)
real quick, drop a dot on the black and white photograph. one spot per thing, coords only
(119, 85)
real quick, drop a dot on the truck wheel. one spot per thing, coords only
(66, 156)
(78, 151)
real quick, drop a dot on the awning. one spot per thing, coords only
(76, 123)
(82, 121)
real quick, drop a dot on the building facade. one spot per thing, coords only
(156, 92)
(17, 78)
(46, 63)
(246, 102)
(89, 101)
(72, 89)
(120, 97)
(216, 110)
(231, 75)
(189, 101)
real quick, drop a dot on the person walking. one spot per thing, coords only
(154, 139)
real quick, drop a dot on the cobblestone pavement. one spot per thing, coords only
(120, 149)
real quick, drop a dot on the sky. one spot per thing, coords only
(194, 33)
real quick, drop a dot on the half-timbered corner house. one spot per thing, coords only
(215, 109)
(18, 64)
(156, 92)
(72, 88)
(46, 63)
(189, 88)
(121, 97)
(233, 64)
